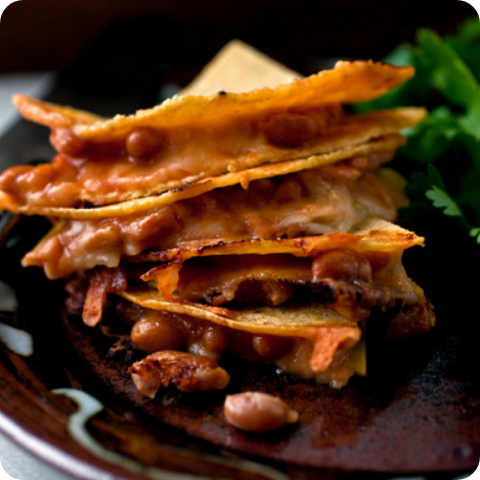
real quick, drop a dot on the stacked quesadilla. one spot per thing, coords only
(256, 224)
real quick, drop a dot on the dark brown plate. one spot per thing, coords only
(418, 412)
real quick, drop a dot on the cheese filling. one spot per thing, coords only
(313, 202)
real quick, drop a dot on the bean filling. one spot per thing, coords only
(257, 412)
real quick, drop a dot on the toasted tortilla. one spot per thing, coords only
(324, 328)
(348, 82)
(287, 320)
(412, 385)
(154, 178)
(372, 235)
(391, 142)
(52, 115)
(197, 138)
(237, 68)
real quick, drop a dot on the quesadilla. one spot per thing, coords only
(190, 139)
(256, 224)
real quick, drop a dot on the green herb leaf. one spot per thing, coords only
(441, 199)
(442, 154)
(475, 233)
(471, 121)
(402, 56)
(469, 53)
(470, 31)
(449, 74)
(433, 137)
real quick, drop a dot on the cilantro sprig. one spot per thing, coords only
(441, 159)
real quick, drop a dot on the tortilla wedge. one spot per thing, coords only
(348, 82)
(238, 67)
(326, 330)
(220, 269)
(189, 190)
(200, 138)
(285, 321)
(52, 115)
(372, 235)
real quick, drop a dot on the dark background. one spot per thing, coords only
(49, 34)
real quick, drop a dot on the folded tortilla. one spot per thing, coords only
(324, 334)
(192, 144)
(354, 273)
(389, 142)
(323, 345)
(330, 198)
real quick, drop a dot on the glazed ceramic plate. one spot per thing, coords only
(65, 398)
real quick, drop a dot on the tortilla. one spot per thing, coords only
(213, 273)
(405, 118)
(348, 82)
(328, 334)
(291, 320)
(52, 115)
(238, 67)
(332, 426)
(193, 138)
(372, 235)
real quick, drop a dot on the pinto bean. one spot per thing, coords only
(144, 142)
(290, 190)
(214, 339)
(257, 412)
(289, 129)
(269, 346)
(342, 264)
(156, 332)
(66, 142)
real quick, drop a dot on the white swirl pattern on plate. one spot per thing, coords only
(16, 340)
(88, 406)
(8, 299)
